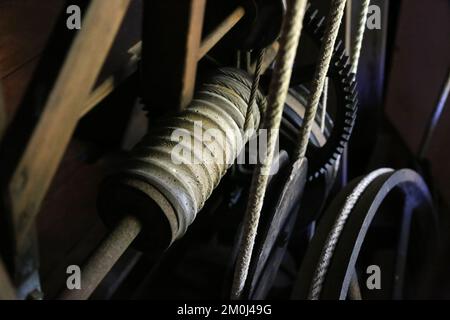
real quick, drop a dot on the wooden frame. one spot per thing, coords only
(37, 165)
(73, 95)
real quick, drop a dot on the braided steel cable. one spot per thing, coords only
(277, 95)
(357, 43)
(333, 237)
(326, 52)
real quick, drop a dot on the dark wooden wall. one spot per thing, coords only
(68, 226)
(420, 62)
(24, 28)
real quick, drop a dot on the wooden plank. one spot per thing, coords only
(2, 113)
(60, 115)
(419, 65)
(109, 84)
(7, 291)
(214, 37)
(24, 29)
(169, 68)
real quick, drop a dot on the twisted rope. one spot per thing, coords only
(254, 89)
(326, 52)
(277, 95)
(324, 105)
(357, 44)
(333, 237)
(355, 291)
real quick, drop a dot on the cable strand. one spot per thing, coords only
(277, 95)
(325, 55)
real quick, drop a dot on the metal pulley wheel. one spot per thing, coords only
(277, 223)
(385, 219)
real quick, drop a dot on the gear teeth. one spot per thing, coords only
(340, 54)
(351, 88)
(347, 69)
(348, 130)
(313, 15)
(350, 114)
(320, 23)
(338, 46)
(340, 72)
(349, 121)
(334, 157)
(352, 96)
(343, 143)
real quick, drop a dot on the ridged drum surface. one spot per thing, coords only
(176, 159)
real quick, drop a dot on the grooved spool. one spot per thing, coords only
(174, 169)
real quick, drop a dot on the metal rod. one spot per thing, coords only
(104, 258)
(436, 115)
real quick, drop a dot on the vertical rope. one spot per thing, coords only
(254, 90)
(355, 291)
(324, 105)
(326, 52)
(277, 95)
(357, 44)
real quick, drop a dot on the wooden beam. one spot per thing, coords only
(60, 115)
(108, 86)
(171, 42)
(7, 291)
(3, 119)
(222, 29)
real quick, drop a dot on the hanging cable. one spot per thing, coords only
(357, 44)
(355, 291)
(254, 90)
(326, 52)
(324, 105)
(277, 95)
